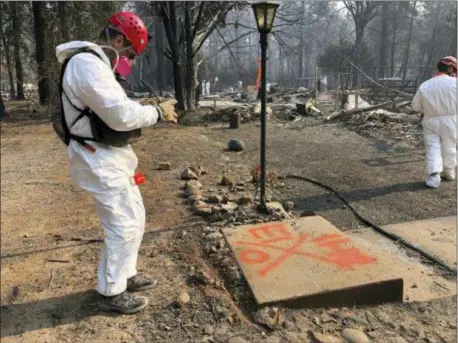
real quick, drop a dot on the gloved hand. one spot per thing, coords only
(166, 108)
(168, 112)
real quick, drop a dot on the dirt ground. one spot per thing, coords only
(43, 218)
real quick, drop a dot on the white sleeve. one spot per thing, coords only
(416, 102)
(93, 82)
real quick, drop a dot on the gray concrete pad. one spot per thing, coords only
(422, 282)
(309, 262)
(435, 236)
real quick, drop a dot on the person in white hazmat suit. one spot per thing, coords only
(108, 172)
(436, 101)
(204, 93)
(207, 87)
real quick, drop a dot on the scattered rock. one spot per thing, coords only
(325, 338)
(193, 198)
(236, 339)
(215, 236)
(354, 336)
(270, 316)
(274, 339)
(208, 329)
(215, 199)
(326, 318)
(245, 200)
(199, 204)
(235, 145)
(192, 190)
(199, 171)
(164, 166)
(289, 205)
(184, 298)
(230, 207)
(209, 229)
(227, 181)
(200, 277)
(194, 183)
(276, 209)
(203, 211)
(288, 325)
(188, 174)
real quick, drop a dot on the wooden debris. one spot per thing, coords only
(343, 113)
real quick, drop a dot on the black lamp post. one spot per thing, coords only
(264, 13)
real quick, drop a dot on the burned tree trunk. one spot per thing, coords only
(169, 19)
(160, 55)
(16, 50)
(191, 70)
(383, 40)
(409, 39)
(39, 25)
(62, 8)
(393, 41)
(7, 52)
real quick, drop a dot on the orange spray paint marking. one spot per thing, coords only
(345, 258)
(247, 256)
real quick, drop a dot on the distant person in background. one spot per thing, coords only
(203, 87)
(436, 101)
(215, 87)
(198, 92)
(207, 87)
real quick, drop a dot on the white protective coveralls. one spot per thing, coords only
(107, 172)
(436, 99)
(204, 88)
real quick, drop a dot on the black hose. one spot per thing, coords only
(375, 226)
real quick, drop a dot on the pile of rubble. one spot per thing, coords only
(230, 202)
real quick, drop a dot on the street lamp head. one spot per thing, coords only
(264, 13)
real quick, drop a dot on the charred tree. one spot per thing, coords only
(16, 24)
(40, 48)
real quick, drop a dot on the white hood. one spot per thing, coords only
(66, 49)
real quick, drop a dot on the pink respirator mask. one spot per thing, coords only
(123, 67)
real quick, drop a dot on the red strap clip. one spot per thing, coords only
(138, 179)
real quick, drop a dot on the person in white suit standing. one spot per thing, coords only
(436, 101)
(94, 105)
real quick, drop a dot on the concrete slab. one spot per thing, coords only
(435, 236)
(421, 282)
(309, 262)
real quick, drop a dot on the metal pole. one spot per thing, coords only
(263, 42)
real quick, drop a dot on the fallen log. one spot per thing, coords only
(344, 113)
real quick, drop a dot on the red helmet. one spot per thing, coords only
(449, 61)
(132, 27)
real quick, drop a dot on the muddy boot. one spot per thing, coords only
(126, 303)
(140, 282)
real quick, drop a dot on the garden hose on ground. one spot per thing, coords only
(377, 228)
